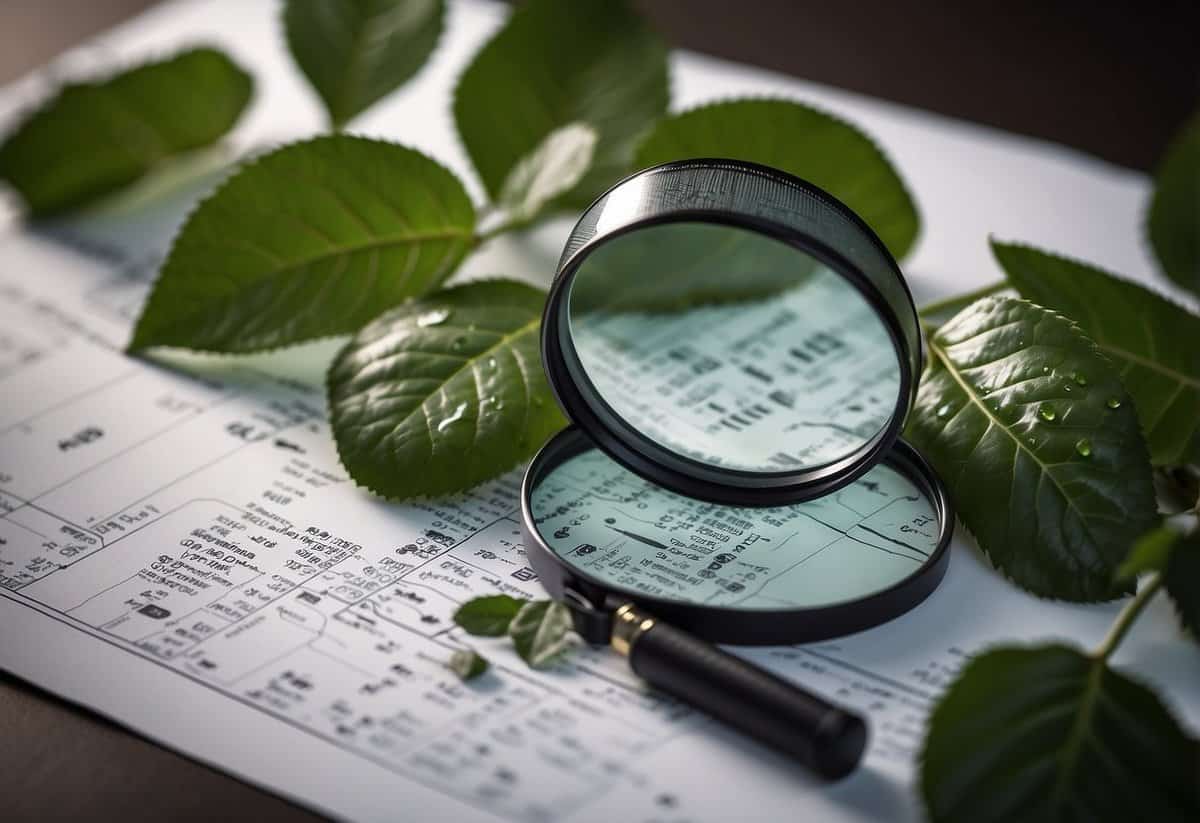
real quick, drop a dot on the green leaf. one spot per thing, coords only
(1152, 340)
(356, 51)
(468, 664)
(309, 241)
(94, 138)
(1183, 582)
(443, 393)
(1049, 734)
(1014, 413)
(553, 169)
(541, 632)
(803, 141)
(693, 262)
(1174, 220)
(488, 616)
(1149, 554)
(556, 63)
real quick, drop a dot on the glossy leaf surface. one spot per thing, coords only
(311, 240)
(443, 393)
(556, 63)
(488, 616)
(1049, 734)
(1016, 413)
(354, 52)
(541, 632)
(1151, 340)
(801, 140)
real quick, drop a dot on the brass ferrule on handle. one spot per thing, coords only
(628, 625)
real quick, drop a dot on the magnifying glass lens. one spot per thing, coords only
(616, 529)
(732, 349)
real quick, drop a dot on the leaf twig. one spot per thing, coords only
(1126, 618)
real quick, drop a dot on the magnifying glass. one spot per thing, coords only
(737, 351)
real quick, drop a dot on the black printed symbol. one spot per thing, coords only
(154, 612)
(563, 533)
(584, 548)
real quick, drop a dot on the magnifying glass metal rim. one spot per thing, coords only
(585, 406)
(592, 600)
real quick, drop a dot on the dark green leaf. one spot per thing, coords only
(488, 616)
(311, 240)
(93, 138)
(467, 664)
(1183, 581)
(357, 51)
(541, 632)
(1049, 734)
(553, 169)
(1174, 219)
(1014, 413)
(1149, 554)
(556, 63)
(803, 141)
(443, 393)
(1152, 341)
(693, 262)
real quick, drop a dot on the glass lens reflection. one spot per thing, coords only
(632, 535)
(732, 348)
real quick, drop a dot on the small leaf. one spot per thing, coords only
(1174, 220)
(356, 51)
(541, 632)
(94, 138)
(309, 241)
(443, 393)
(553, 169)
(488, 616)
(1151, 340)
(800, 140)
(556, 63)
(1183, 582)
(1150, 553)
(1053, 481)
(1048, 734)
(468, 664)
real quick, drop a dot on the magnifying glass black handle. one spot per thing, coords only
(827, 739)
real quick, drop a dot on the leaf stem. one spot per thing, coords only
(959, 301)
(1127, 617)
(504, 227)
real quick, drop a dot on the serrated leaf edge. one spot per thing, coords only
(234, 172)
(818, 109)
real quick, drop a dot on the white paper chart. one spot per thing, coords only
(180, 549)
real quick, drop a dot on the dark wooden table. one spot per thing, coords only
(1114, 79)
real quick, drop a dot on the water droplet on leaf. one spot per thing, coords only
(459, 411)
(1047, 413)
(943, 410)
(491, 363)
(1113, 403)
(1045, 369)
(1083, 447)
(433, 317)
(1079, 378)
(1067, 389)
